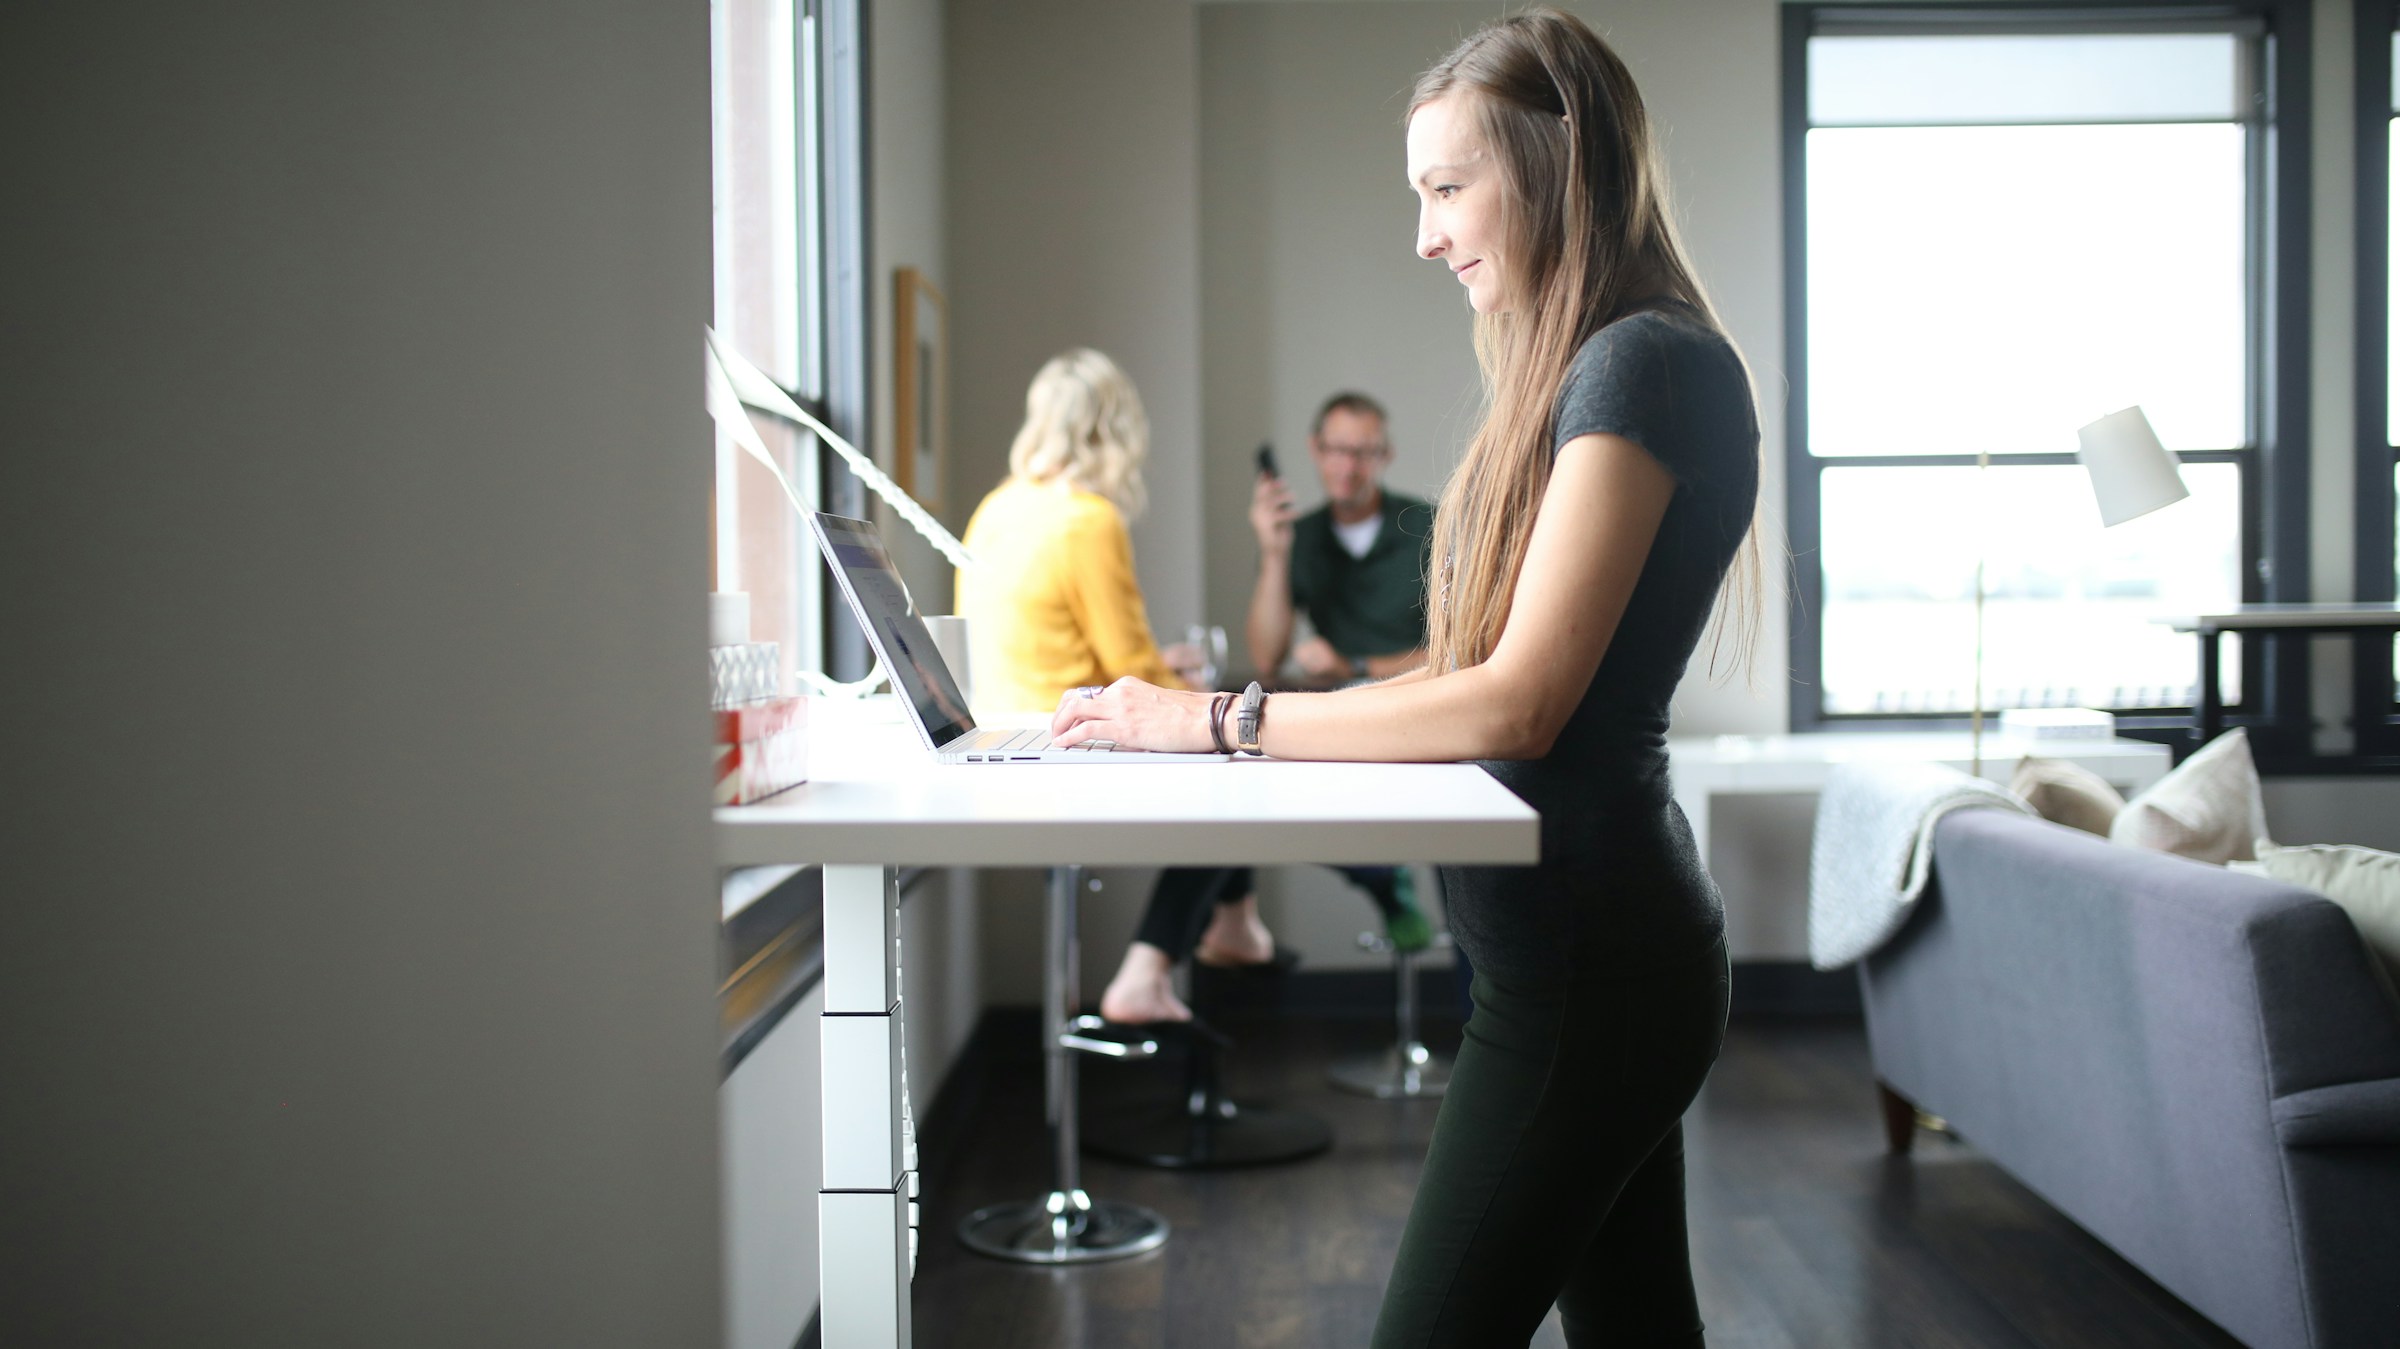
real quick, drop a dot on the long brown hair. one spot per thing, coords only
(1587, 234)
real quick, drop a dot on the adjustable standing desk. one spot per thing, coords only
(876, 802)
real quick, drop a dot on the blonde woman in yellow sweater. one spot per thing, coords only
(1055, 605)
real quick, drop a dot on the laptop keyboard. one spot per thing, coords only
(1001, 744)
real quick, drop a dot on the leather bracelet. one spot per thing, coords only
(1217, 703)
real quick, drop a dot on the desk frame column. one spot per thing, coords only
(866, 1214)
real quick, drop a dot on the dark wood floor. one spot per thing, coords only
(1804, 1233)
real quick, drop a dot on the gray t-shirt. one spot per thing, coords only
(1619, 876)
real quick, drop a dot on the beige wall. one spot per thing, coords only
(1073, 150)
(362, 940)
(907, 226)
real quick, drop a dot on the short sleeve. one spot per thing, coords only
(1634, 378)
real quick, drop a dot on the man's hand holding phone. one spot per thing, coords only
(1271, 510)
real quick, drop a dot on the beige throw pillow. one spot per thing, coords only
(2366, 883)
(2067, 793)
(2211, 809)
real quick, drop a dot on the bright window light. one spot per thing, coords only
(1994, 288)
(2008, 237)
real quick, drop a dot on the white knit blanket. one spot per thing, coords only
(1873, 850)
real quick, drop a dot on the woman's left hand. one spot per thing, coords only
(1135, 715)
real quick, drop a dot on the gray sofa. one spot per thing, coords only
(2201, 1068)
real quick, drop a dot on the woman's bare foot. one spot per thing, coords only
(1143, 992)
(1236, 936)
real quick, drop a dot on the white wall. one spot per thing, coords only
(361, 931)
(907, 226)
(1073, 194)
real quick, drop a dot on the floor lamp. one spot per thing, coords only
(2131, 474)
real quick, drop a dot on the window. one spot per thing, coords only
(788, 219)
(2376, 697)
(2004, 224)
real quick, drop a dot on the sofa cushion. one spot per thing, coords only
(2065, 792)
(2365, 882)
(2210, 809)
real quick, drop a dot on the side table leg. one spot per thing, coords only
(2212, 695)
(864, 1209)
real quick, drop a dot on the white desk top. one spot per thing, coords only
(2383, 615)
(875, 796)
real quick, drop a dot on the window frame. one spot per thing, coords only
(836, 348)
(2274, 483)
(2374, 714)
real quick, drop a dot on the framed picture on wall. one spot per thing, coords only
(920, 379)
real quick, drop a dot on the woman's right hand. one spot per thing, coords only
(1135, 715)
(1271, 515)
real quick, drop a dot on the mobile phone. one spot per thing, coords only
(1266, 461)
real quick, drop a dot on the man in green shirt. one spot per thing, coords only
(1356, 565)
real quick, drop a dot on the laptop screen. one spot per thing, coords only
(873, 588)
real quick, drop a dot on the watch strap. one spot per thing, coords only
(1250, 718)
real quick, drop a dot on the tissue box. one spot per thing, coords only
(2058, 723)
(753, 770)
(758, 720)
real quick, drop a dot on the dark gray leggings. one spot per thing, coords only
(1556, 1170)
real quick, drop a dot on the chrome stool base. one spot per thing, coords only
(1067, 1226)
(1407, 1071)
(1401, 1073)
(1059, 1231)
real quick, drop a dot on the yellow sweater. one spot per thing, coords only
(1054, 603)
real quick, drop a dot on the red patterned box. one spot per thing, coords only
(758, 768)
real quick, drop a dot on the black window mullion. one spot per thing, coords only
(1803, 484)
(847, 404)
(2283, 728)
(2372, 704)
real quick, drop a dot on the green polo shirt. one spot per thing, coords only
(1372, 605)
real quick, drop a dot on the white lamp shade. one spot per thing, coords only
(2132, 474)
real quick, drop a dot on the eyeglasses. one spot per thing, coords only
(1361, 454)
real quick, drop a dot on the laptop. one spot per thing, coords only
(864, 570)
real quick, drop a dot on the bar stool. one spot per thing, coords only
(1203, 1128)
(1407, 1071)
(1066, 1226)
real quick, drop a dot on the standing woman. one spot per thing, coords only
(1607, 498)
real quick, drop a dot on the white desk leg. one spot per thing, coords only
(864, 1210)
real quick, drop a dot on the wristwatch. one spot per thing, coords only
(1249, 719)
